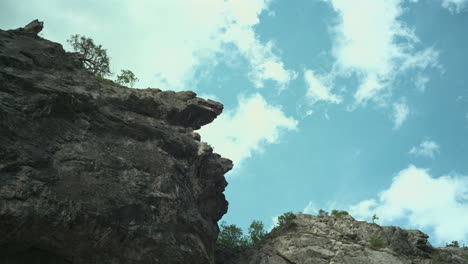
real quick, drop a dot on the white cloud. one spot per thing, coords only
(318, 88)
(421, 82)
(265, 65)
(164, 42)
(310, 209)
(455, 6)
(274, 221)
(424, 201)
(372, 42)
(427, 148)
(238, 133)
(186, 34)
(400, 114)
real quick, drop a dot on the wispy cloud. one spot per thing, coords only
(427, 148)
(421, 82)
(310, 208)
(400, 114)
(238, 133)
(455, 6)
(372, 42)
(424, 201)
(319, 88)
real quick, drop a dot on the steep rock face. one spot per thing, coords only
(94, 172)
(333, 240)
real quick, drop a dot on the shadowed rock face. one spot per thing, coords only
(335, 240)
(94, 172)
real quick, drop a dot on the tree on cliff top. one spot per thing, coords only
(286, 218)
(257, 232)
(126, 77)
(94, 58)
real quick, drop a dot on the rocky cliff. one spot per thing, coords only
(94, 172)
(335, 240)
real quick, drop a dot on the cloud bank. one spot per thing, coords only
(187, 35)
(371, 41)
(424, 201)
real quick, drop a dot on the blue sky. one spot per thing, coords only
(359, 105)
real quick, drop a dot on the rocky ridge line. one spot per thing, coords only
(335, 240)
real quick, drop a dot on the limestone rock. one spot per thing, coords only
(94, 172)
(335, 240)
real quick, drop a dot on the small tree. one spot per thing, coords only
(286, 218)
(256, 232)
(322, 213)
(94, 58)
(231, 236)
(374, 217)
(126, 77)
(338, 213)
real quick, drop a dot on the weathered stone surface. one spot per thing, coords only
(94, 172)
(332, 240)
(34, 27)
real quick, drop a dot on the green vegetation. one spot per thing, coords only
(338, 213)
(232, 236)
(126, 77)
(256, 232)
(322, 213)
(94, 58)
(453, 244)
(376, 242)
(104, 81)
(286, 218)
(374, 217)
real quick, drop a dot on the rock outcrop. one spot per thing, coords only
(94, 172)
(334, 240)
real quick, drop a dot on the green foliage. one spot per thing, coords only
(94, 58)
(256, 232)
(286, 218)
(104, 81)
(126, 77)
(374, 217)
(453, 244)
(376, 242)
(322, 213)
(338, 213)
(231, 236)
